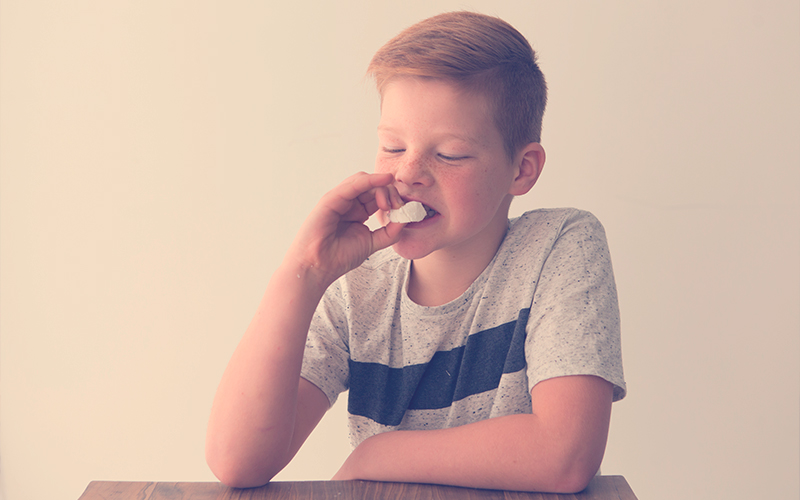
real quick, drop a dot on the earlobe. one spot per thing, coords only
(529, 165)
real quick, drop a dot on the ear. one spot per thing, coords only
(529, 163)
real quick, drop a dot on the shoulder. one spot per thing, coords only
(553, 219)
(544, 227)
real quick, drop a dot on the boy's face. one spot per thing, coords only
(444, 150)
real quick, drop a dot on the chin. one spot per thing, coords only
(411, 251)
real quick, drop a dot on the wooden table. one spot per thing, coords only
(600, 488)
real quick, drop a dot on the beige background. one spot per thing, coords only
(158, 156)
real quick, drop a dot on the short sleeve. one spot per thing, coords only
(326, 355)
(574, 325)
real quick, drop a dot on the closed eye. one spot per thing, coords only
(393, 150)
(452, 158)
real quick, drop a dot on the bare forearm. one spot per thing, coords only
(558, 449)
(263, 411)
(503, 453)
(253, 416)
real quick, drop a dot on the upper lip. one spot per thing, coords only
(409, 199)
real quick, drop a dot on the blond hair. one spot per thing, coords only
(479, 53)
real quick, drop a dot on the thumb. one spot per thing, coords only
(386, 236)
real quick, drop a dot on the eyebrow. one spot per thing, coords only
(443, 135)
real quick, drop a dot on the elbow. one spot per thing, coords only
(572, 482)
(574, 474)
(236, 479)
(239, 477)
(562, 480)
(239, 473)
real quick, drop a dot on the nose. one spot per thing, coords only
(413, 169)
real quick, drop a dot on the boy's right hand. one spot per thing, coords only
(334, 239)
(264, 410)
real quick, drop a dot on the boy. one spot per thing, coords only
(477, 351)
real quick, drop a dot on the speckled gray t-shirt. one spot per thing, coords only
(546, 306)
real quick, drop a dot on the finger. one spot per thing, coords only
(386, 199)
(361, 183)
(397, 200)
(374, 201)
(358, 187)
(386, 236)
(383, 199)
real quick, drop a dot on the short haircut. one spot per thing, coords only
(479, 53)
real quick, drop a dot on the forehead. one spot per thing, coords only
(416, 104)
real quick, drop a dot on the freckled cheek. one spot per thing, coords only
(382, 166)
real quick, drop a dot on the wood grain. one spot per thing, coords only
(601, 488)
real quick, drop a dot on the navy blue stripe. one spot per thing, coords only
(383, 394)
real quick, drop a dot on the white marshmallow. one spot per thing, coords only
(412, 211)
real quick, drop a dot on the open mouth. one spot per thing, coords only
(411, 212)
(429, 212)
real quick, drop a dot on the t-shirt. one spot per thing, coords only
(544, 307)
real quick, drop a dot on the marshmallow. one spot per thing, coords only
(412, 211)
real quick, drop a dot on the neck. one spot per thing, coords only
(444, 275)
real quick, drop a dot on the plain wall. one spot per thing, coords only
(158, 156)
